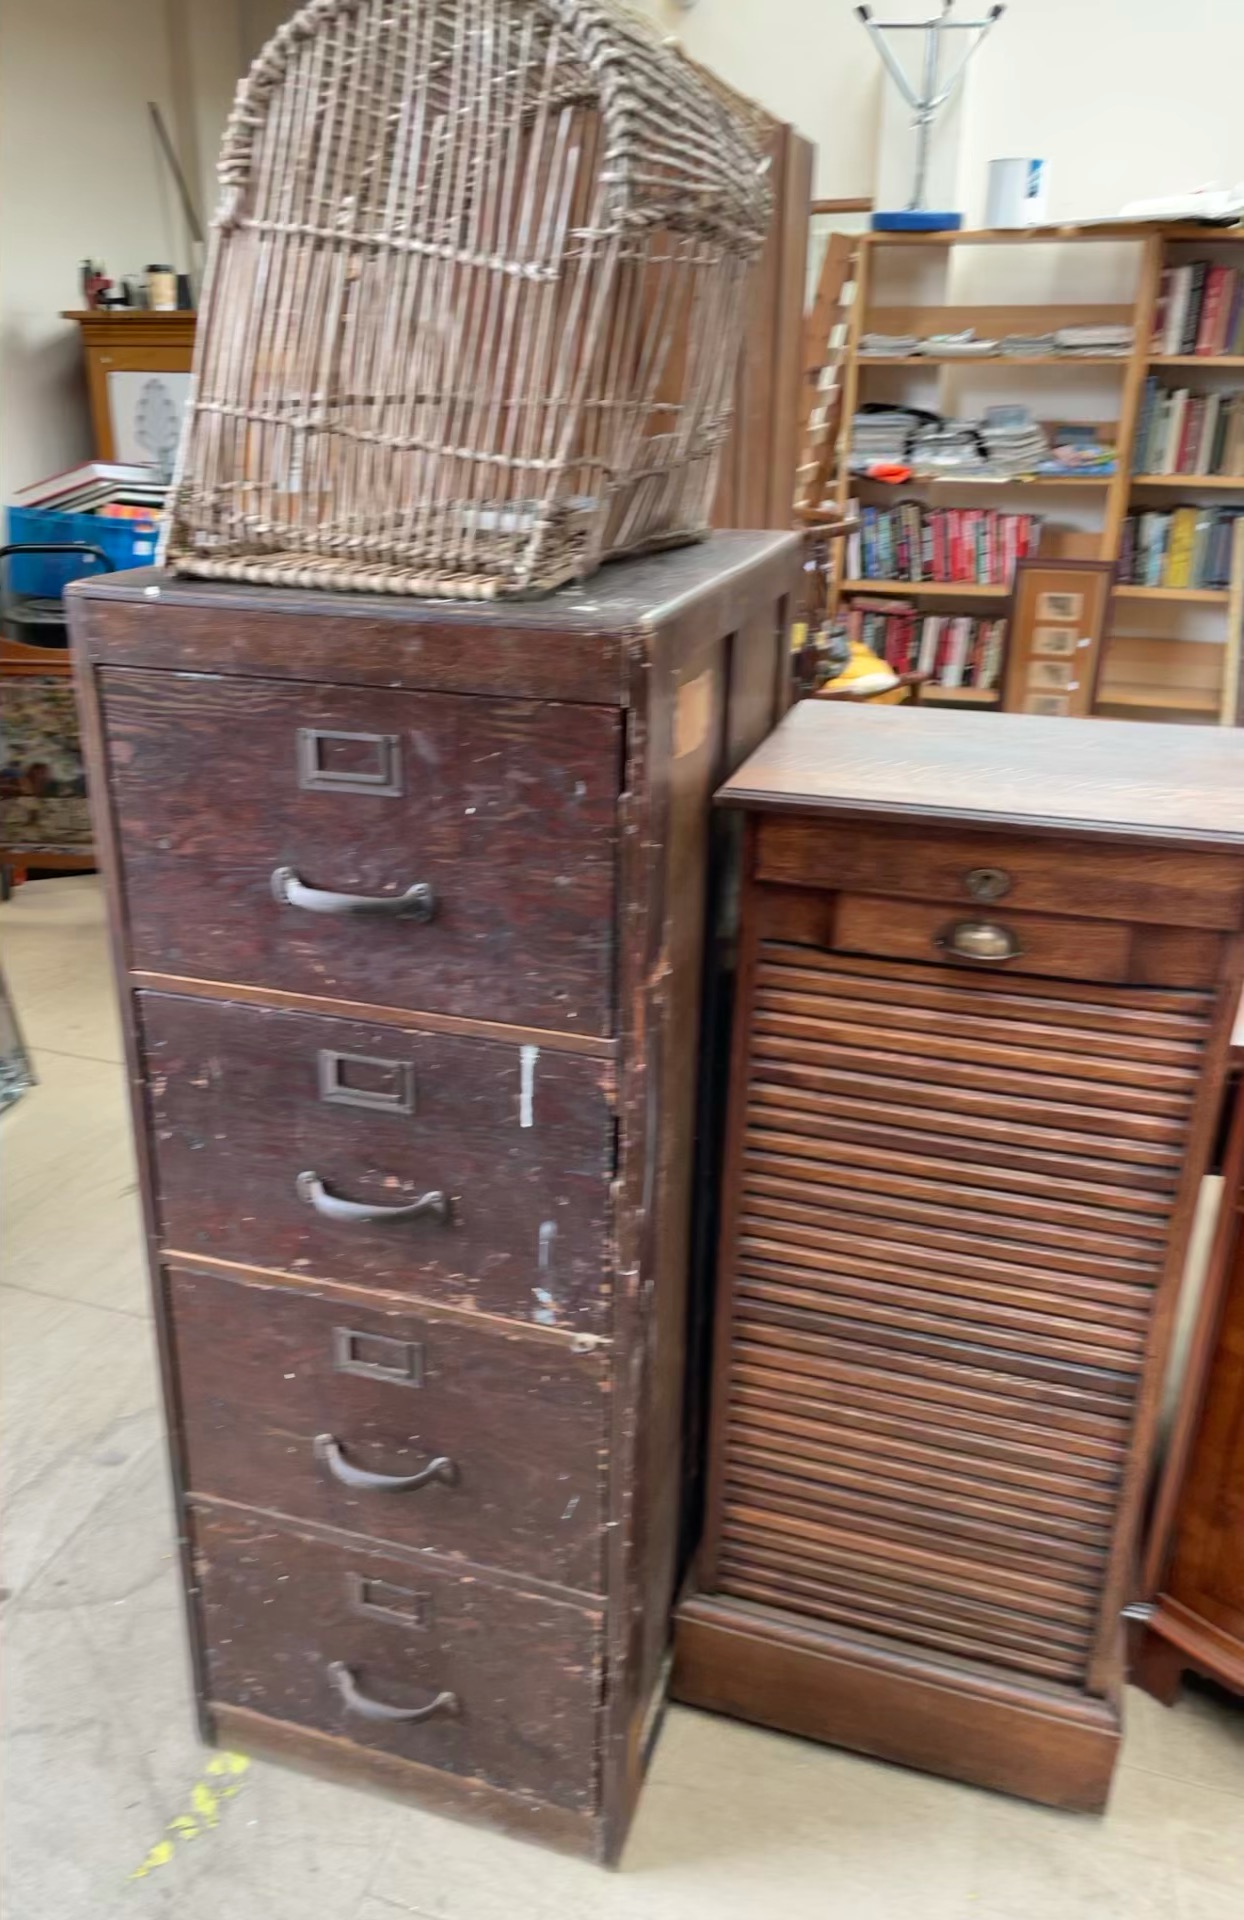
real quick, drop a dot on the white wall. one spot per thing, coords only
(1123, 97)
(82, 177)
(260, 20)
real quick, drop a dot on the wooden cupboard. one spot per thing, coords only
(987, 973)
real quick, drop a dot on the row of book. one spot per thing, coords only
(105, 487)
(970, 545)
(1182, 432)
(1189, 547)
(954, 650)
(1200, 310)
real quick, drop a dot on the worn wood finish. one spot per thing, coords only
(1127, 783)
(757, 474)
(533, 787)
(460, 1796)
(280, 1606)
(1094, 882)
(1193, 1573)
(551, 1394)
(245, 1099)
(575, 644)
(758, 1663)
(263, 1371)
(958, 1198)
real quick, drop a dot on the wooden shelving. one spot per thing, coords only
(1173, 679)
(956, 589)
(1228, 482)
(1189, 700)
(933, 695)
(992, 480)
(1063, 360)
(1191, 596)
(1235, 360)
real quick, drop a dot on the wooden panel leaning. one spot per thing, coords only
(964, 1141)
(408, 913)
(1190, 1615)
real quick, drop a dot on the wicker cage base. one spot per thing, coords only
(350, 576)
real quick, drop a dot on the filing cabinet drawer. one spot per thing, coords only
(287, 1396)
(324, 1635)
(268, 830)
(269, 1127)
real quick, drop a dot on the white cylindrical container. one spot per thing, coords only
(1016, 194)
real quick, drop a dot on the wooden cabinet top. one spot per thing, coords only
(581, 643)
(110, 326)
(1119, 780)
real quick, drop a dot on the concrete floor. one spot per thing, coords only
(102, 1769)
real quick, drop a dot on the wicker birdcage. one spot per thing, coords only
(474, 304)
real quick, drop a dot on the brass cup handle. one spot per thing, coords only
(417, 903)
(981, 940)
(429, 1206)
(368, 1709)
(328, 1450)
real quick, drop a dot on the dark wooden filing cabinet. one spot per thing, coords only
(988, 968)
(409, 902)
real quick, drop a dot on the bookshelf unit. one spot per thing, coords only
(1143, 674)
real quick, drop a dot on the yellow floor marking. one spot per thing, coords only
(205, 1810)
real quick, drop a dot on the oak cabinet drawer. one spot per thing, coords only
(274, 1133)
(258, 818)
(323, 1636)
(288, 1396)
(1171, 887)
(1000, 941)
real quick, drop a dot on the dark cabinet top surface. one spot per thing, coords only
(1115, 779)
(582, 643)
(621, 596)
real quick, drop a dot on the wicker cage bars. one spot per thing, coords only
(473, 286)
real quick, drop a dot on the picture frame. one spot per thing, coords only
(1055, 624)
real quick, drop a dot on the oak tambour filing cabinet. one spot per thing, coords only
(408, 903)
(988, 966)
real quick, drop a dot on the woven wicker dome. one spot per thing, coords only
(474, 300)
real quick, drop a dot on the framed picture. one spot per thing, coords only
(1055, 627)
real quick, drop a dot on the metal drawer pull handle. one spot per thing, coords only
(429, 1206)
(980, 940)
(328, 1449)
(417, 903)
(368, 1709)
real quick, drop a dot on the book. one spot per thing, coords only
(1144, 424)
(1176, 308)
(1210, 316)
(1189, 434)
(1161, 307)
(1236, 315)
(92, 485)
(1211, 407)
(1226, 310)
(1174, 432)
(1192, 316)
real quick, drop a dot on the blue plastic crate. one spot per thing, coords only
(44, 576)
